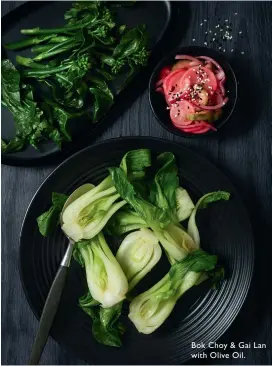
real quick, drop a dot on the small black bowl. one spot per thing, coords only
(157, 100)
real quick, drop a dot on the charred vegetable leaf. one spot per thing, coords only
(49, 220)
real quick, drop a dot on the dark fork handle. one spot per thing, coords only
(50, 308)
(48, 314)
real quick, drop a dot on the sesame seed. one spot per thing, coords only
(242, 53)
(240, 32)
(215, 34)
(210, 31)
(231, 50)
(226, 20)
(201, 24)
(206, 32)
(224, 50)
(193, 39)
(235, 13)
(205, 43)
(205, 20)
(213, 39)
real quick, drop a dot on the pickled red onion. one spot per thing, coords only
(186, 57)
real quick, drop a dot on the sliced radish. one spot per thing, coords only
(164, 72)
(179, 112)
(171, 84)
(199, 75)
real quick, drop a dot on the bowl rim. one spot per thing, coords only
(172, 128)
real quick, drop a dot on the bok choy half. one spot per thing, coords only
(150, 309)
(138, 253)
(106, 280)
(144, 200)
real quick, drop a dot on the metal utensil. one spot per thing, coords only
(54, 295)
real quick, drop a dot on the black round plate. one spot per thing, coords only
(157, 100)
(201, 315)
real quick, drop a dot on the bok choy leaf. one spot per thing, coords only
(106, 327)
(49, 220)
(203, 203)
(124, 221)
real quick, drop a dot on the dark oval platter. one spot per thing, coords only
(46, 14)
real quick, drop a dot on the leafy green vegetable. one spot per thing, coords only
(165, 185)
(28, 42)
(161, 214)
(150, 309)
(203, 203)
(106, 280)
(103, 99)
(124, 221)
(138, 253)
(64, 71)
(106, 327)
(16, 144)
(153, 200)
(131, 49)
(184, 204)
(49, 220)
(32, 126)
(86, 216)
